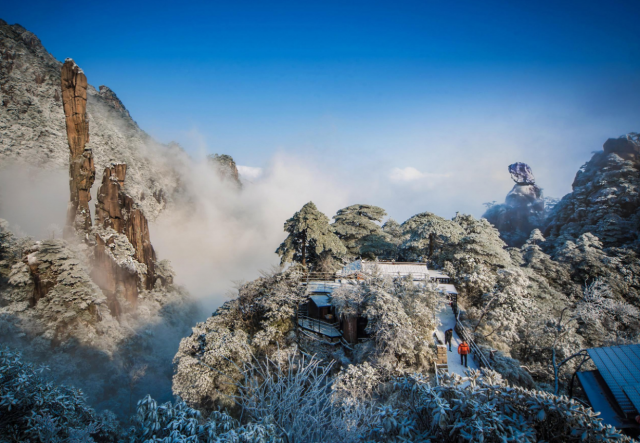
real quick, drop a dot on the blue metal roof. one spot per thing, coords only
(598, 399)
(619, 366)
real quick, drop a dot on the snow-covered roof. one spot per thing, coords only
(322, 286)
(435, 273)
(448, 289)
(321, 300)
(416, 269)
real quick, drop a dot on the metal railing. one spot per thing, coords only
(477, 353)
(321, 286)
(319, 276)
(316, 325)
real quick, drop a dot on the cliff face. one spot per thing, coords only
(81, 169)
(33, 125)
(98, 309)
(53, 308)
(226, 168)
(605, 200)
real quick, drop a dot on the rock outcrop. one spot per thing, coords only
(605, 200)
(112, 100)
(52, 309)
(81, 168)
(117, 213)
(47, 293)
(68, 303)
(125, 217)
(523, 209)
(226, 168)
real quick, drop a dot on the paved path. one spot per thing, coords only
(448, 320)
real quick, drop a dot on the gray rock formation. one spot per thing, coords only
(522, 174)
(605, 200)
(523, 209)
(112, 99)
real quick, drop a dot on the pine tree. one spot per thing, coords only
(310, 235)
(393, 228)
(354, 223)
(426, 233)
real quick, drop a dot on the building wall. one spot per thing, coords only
(350, 329)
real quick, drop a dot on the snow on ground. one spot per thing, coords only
(448, 320)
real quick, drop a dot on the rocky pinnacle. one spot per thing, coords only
(81, 168)
(117, 210)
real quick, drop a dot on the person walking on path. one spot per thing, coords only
(463, 350)
(448, 335)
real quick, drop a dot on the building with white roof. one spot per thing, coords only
(419, 271)
(448, 289)
(318, 314)
(438, 276)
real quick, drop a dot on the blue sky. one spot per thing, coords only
(412, 105)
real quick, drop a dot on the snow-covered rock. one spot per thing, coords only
(605, 200)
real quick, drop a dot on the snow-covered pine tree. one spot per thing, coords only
(426, 234)
(310, 235)
(356, 222)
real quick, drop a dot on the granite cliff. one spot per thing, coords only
(98, 305)
(605, 200)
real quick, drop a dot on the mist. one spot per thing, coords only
(219, 235)
(34, 201)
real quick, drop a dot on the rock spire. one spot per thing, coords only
(81, 168)
(523, 209)
(117, 210)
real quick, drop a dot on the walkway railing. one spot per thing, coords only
(478, 355)
(315, 325)
(321, 286)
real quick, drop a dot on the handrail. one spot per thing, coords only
(435, 364)
(424, 275)
(462, 332)
(316, 325)
(321, 286)
(334, 324)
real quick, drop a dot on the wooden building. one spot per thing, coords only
(320, 308)
(319, 316)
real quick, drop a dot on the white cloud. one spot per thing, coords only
(407, 174)
(249, 172)
(411, 174)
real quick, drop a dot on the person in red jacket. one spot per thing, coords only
(463, 350)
